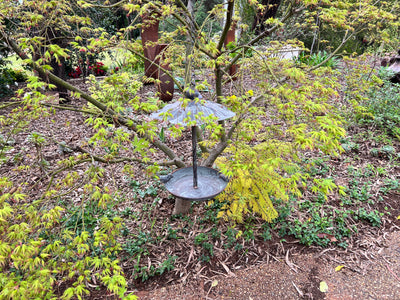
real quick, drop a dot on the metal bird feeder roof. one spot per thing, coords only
(194, 183)
(179, 113)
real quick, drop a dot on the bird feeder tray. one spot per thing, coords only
(210, 183)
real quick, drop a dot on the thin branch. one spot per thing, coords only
(228, 23)
(217, 150)
(177, 83)
(55, 172)
(189, 16)
(290, 12)
(70, 108)
(193, 36)
(72, 189)
(119, 160)
(241, 117)
(200, 139)
(344, 41)
(10, 104)
(107, 6)
(127, 122)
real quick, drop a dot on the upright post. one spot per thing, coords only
(194, 154)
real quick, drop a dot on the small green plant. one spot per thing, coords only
(359, 192)
(266, 234)
(145, 272)
(317, 58)
(131, 63)
(143, 189)
(317, 166)
(6, 144)
(390, 184)
(202, 240)
(385, 151)
(161, 135)
(318, 225)
(231, 238)
(18, 75)
(172, 234)
(137, 246)
(374, 217)
(349, 146)
(166, 265)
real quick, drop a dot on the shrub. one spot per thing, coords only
(98, 69)
(6, 80)
(383, 109)
(76, 73)
(18, 75)
(37, 252)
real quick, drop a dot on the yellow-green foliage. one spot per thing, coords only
(264, 160)
(36, 254)
(257, 178)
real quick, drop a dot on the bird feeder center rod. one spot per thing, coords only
(194, 155)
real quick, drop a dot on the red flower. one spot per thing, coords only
(76, 73)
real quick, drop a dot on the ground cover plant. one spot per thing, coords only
(311, 155)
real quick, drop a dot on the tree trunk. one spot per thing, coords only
(59, 71)
(165, 87)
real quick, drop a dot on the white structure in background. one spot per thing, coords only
(283, 52)
(288, 52)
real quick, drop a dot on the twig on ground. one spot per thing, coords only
(390, 270)
(290, 264)
(301, 294)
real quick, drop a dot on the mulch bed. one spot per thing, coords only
(69, 127)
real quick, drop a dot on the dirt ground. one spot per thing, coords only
(376, 276)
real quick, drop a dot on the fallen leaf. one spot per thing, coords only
(398, 218)
(328, 236)
(338, 268)
(323, 286)
(214, 283)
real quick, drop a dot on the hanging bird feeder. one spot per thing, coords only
(194, 183)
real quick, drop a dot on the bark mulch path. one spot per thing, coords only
(299, 277)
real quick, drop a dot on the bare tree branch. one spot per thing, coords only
(127, 122)
(228, 23)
